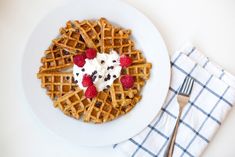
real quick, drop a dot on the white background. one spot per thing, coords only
(210, 25)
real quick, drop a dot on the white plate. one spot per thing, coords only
(147, 39)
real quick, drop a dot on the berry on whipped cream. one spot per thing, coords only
(103, 69)
(91, 53)
(87, 80)
(79, 60)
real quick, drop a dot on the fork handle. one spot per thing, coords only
(172, 142)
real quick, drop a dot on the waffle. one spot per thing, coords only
(101, 110)
(121, 96)
(57, 83)
(56, 59)
(56, 76)
(140, 72)
(114, 38)
(91, 33)
(125, 109)
(69, 25)
(71, 40)
(73, 104)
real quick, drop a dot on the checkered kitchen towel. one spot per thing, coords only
(212, 97)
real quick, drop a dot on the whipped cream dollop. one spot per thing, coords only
(103, 69)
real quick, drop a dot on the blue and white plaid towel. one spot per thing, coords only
(212, 97)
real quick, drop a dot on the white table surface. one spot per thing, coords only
(208, 24)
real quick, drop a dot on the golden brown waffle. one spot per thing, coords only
(91, 33)
(128, 107)
(121, 96)
(57, 83)
(101, 110)
(55, 59)
(73, 104)
(74, 38)
(140, 72)
(71, 40)
(114, 38)
(69, 25)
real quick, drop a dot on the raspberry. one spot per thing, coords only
(79, 60)
(90, 53)
(91, 92)
(87, 80)
(125, 61)
(127, 81)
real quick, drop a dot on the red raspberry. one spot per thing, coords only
(91, 92)
(125, 61)
(90, 53)
(127, 81)
(87, 80)
(79, 60)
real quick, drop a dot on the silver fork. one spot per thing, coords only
(182, 98)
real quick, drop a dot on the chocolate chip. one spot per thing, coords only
(83, 69)
(77, 74)
(110, 67)
(107, 78)
(98, 104)
(102, 61)
(93, 78)
(114, 61)
(76, 81)
(108, 86)
(93, 73)
(100, 76)
(67, 77)
(65, 52)
(114, 76)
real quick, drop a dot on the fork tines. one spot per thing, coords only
(187, 86)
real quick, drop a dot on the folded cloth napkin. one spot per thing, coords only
(213, 95)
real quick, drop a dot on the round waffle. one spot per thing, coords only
(57, 78)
